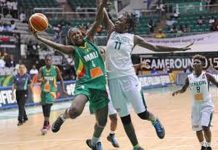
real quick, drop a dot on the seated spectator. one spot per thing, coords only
(200, 20)
(173, 29)
(1, 27)
(214, 26)
(160, 34)
(186, 28)
(154, 71)
(23, 17)
(151, 26)
(2, 63)
(33, 71)
(176, 14)
(211, 20)
(13, 25)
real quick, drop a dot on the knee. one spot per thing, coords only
(205, 129)
(113, 118)
(73, 112)
(126, 120)
(144, 115)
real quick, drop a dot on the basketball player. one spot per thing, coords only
(48, 75)
(202, 106)
(123, 83)
(91, 81)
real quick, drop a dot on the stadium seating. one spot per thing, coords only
(38, 3)
(82, 4)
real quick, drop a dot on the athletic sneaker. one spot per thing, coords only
(57, 124)
(113, 140)
(98, 145)
(138, 148)
(159, 129)
(19, 123)
(45, 129)
(203, 148)
(208, 148)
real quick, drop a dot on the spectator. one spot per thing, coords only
(12, 26)
(211, 20)
(2, 63)
(33, 71)
(1, 27)
(160, 34)
(200, 20)
(23, 17)
(214, 26)
(151, 26)
(9, 61)
(154, 71)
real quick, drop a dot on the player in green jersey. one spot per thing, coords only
(91, 81)
(48, 75)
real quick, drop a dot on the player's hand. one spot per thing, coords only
(34, 32)
(188, 46)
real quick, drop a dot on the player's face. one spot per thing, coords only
(121, 24)
(76, 37)
(197, 65)
(22, 69)
(48, 61)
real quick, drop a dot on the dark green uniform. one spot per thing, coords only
(90, 72)
(49, 88)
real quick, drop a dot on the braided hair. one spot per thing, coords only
(131, 20)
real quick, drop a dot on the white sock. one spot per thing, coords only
(94, 140)
(208, 144)
(203, 143)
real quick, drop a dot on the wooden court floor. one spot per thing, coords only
(174, 112)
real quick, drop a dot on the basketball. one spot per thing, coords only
(38, 22)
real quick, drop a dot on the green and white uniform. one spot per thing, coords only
(90, 71)
(202, 105)
(49, 88)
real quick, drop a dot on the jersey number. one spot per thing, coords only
(117, 45)
(198, 89)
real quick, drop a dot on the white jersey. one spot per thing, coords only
(118, 55)
(199, 87)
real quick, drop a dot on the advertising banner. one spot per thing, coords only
(34, 98)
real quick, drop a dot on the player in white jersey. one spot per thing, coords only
(202, 106)
(123, 83)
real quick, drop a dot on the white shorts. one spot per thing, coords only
(126, 90)
(201, 115)
(111, 109)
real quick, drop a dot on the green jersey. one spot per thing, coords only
(50, 75)
(89, 66)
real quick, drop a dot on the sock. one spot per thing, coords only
(208, 144)
(46, 123)
(203, 143)
(136, 146)
(94, 140)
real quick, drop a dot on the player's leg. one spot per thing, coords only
(136, 98)
(113, 124)
(196, 125)
(72, 112)
(25, 118)
(19, 103)
(98, 105)
(46, 108)
(120, 104)
(206, 123)
(200, 137)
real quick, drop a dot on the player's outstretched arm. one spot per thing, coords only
(98, 20)
(61, 79)
(157, 48)
(212, 79)
(67, 49)
(183, 89)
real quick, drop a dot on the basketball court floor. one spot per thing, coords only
(174, 112)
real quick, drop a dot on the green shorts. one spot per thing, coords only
(98, 98)
(47, 97)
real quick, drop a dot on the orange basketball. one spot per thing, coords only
(38, 22)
